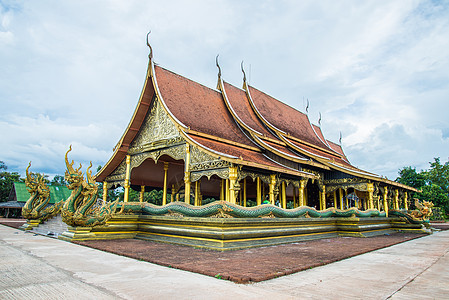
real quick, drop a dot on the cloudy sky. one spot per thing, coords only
(71, 72)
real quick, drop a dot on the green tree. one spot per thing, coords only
(58, 180)
(7, 180)
(434, 183)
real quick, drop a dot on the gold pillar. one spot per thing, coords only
(284, 195)
(405, 201)
(335, 199)
(346, 200)
(105, 191)
(227, 190)
(370, 188)
(323, 198)
(127, 175)
(340, 195)
(222, 190)
(244, 192)
(302, 186)
(164, 195)
(187, 176)
(396, 199)
(197, 193)
(142, 190)
(272, 186)
(258, 192)
(172, 193)
(233, 174)
(386, 201)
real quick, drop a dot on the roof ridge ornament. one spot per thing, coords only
(219, 69)
(307, 107)
(319, 120)
(148, 44)
(243, 70)
(340, 138)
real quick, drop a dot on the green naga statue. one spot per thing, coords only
(36, 207)
(79, 209)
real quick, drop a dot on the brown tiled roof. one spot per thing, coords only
(337, 148)
(245, 155)
(285, 118)
(323, 154)
(198, 107)
(240, 104)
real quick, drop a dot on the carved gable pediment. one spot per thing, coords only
(157, 131)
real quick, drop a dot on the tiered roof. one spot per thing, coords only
(244, 126)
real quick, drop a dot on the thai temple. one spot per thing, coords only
(272, 175)
(236, 144)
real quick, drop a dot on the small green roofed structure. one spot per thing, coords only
(20, 193)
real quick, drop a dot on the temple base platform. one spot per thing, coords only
(236, 233)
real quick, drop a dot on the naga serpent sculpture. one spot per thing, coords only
(79, 209)
(35, 207)
(223, 209)
(418, 216)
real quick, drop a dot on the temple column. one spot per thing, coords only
(127, 175)
(370, 188)
(244, 192)
(142, 191)
(405, 201)
(164, 195)
(105, 191)
(346, 200)
(340, 195)
(386, 201)
(335, 199)
(272, 186)
(284, 195)
(396, 199)
(233, 175)
(187, 176)
(258, 192)
(172, 193)
(197, 193)
(302, 186)
(222, 190)
(323, 198)
(227, 190)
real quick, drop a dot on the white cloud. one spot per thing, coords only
(72, 71)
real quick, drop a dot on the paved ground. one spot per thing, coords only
(250, 265)
(37, 267)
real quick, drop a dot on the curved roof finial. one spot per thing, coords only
(148, 44)
(243, 70)
(319, 120)
(340, 139)
(219, 69)
(307, 107)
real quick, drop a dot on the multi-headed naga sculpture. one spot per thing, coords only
(423, 211)
(79, 209)
(36, 206)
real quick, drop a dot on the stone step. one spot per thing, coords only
(52, 227)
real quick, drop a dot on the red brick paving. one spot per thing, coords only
(250, 265)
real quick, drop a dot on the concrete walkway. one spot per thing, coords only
(37, 267)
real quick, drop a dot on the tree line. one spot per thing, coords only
(433, 183)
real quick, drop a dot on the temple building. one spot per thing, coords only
(239, 145)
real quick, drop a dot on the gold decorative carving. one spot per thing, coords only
(244, 173)
(157, 129)
(222, 173)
